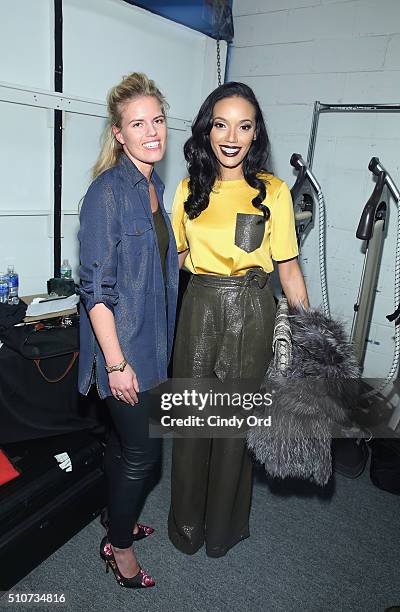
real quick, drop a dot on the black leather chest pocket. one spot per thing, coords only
(249, 232)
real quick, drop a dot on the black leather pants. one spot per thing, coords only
(130, 458)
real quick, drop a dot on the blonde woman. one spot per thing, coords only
(129, 278)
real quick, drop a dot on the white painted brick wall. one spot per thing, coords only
(321, 22)
(265, 29)
(293, 52)
(251, 7)
(271, 59)
(392, 61)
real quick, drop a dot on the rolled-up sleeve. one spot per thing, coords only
(99, 235)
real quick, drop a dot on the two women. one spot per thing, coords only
(230, 218)
(129, 279)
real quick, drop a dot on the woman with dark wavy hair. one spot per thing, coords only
(231, 218)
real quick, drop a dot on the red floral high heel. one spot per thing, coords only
(144, 530)
(140, 581)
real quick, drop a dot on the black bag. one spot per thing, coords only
(32, 357)
(42, 341)
(385, 464)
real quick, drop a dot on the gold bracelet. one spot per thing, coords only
(120, 367)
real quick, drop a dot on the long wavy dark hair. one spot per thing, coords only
(202, 164)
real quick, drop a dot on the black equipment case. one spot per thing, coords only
(45, 506)
(385, 464)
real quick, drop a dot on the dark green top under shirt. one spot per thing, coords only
(162, 237)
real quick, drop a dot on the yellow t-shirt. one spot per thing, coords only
(227, 239)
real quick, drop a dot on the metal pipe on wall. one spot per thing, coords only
(319, 108)
(58, 133)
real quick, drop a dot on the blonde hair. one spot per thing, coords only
(135, 85)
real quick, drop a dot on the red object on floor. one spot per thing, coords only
(7, 470)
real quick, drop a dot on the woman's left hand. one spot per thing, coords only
(124, 385)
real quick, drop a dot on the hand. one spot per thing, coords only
(124, 385)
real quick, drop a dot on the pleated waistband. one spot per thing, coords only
(254, 276)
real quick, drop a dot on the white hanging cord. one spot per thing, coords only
(322, 253)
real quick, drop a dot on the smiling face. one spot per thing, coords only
(232, 134)
(143, 132)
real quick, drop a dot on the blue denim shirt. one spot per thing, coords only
(121, 268)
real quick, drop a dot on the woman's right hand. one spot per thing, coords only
(124, 385)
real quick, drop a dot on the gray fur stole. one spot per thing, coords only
(312, 382)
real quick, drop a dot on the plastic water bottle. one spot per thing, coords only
(66, 270)
(3, 288)
(12, 285)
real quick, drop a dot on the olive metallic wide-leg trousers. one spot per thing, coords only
(225, 329)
